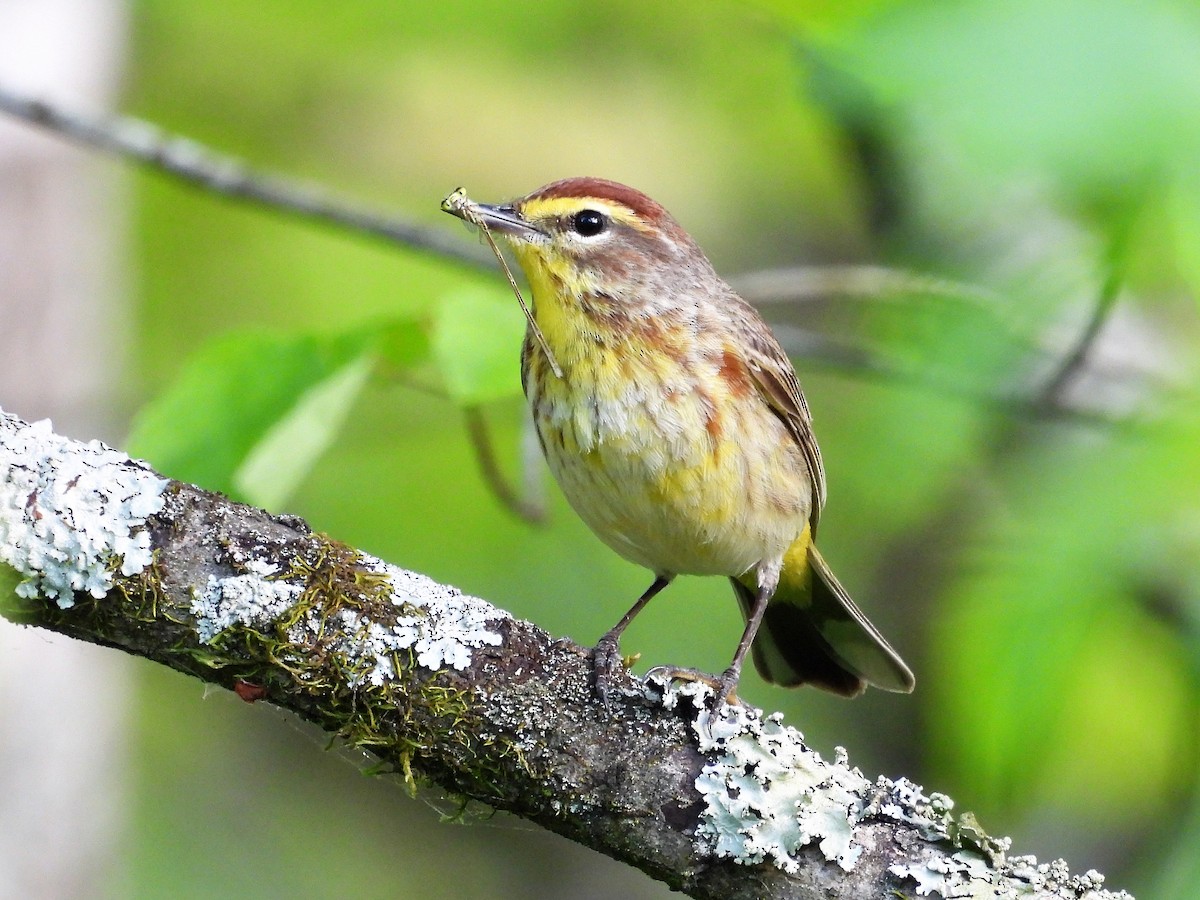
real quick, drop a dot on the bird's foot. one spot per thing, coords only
(729, 685)
(724, 687)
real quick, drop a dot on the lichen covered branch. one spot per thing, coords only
(448, 688)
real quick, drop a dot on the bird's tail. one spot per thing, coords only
(813, 633)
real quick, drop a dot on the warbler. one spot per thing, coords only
(676, 427)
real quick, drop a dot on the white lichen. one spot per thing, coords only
(930, 816)
(71, 514)
(969, 876)
(766, 795)
(451, 624)
(949, 876)
(253, 600)
(439, 625)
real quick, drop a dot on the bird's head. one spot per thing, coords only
(591, 235)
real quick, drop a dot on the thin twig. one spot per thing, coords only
(533, 467)
(529, 504)
(199, 165)
(821, 352)
(1053, 394)
(788, 284)
(528, 508)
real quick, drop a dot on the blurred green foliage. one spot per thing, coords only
(249, 397)
(1035, 562)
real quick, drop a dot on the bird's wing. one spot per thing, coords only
(775, 379)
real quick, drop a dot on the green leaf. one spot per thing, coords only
(250, 402)
(281, 459)
(476, 343)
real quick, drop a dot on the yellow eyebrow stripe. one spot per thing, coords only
(561, 207)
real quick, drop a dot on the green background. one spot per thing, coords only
(1038, 570)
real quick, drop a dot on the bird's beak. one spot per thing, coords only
(504, 219)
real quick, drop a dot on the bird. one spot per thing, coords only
(674, 423)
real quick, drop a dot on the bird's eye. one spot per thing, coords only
(588, 222)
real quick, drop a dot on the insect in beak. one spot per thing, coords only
(504, 219)
(507, 221)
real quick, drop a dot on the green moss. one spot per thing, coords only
(302, 662)
(141, 596)
(336, 579)
(404, 722)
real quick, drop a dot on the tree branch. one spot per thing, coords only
(196, 164)
(447, 687)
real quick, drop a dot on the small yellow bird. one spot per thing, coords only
(674, 423)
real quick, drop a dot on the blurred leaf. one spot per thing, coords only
(286, 452)
(403, 343)
(240, 396)
(1133, 764)
(1100, 92)
(823, 15)
(476, 340)
(1020, 630)
(1031, 685)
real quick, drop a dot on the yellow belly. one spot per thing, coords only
(676, 479)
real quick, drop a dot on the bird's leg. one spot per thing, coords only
(606, 656)
(727, 686)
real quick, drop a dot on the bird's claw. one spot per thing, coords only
(724, 687)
